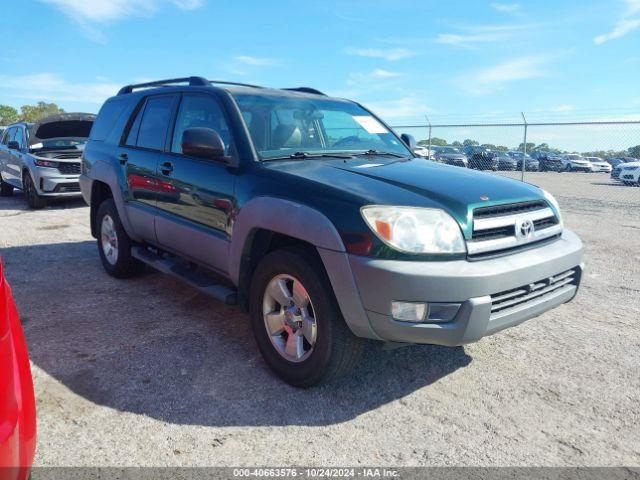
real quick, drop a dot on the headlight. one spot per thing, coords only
(45, 163)
(415, 230)
(631, 168)
(551, 199)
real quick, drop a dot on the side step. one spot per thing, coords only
(202, 282)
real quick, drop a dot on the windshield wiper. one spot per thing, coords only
(305, 155)
(377, 152)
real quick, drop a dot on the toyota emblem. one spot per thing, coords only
(525, 228)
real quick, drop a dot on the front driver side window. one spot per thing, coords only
(200, 111)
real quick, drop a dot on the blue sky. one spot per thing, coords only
(455, 61)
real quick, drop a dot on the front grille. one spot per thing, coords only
(67, 187)
(492, 233)
(501, 229)
(69, 168)
(518, 297)
(545, 223)
(509, 209)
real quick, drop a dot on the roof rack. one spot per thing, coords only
(306, 90)
(192, 81)
(222, 82)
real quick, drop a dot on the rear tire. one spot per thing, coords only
(6, 190)
(34, 200)
(331, 350)
(114, 245)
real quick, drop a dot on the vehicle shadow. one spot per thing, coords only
(18, 202)
(155, 347)
(609, 184)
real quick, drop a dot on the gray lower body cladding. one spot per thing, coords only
(492, 294)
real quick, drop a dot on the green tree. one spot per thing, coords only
(530, 146)
(8, 115)
(456, 144)
(634, 151)
(469, 143)
(439, 142)
(33, 113)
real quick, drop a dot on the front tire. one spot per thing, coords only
(296, 319)
(34, 200)
(114, 245)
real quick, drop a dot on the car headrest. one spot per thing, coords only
(287, 136)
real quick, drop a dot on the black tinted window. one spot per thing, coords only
(19, 137)
(155, 122)
(108, 116)
(200, 111)
(132, 136)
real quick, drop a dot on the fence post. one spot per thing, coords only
(524, 148)
(429, 124)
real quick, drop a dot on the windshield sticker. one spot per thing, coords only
(370, 124)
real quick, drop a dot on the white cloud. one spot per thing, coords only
(391, 54)
(628, 22)
(477, 34)
(53, 88)
(495, 78)
(563, 108)
(356, 79)
(400, 109)
(505, 7)
(88, 13)
(257, 61)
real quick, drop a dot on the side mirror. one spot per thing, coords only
(13, 145)
(203, 143)
(408, 140)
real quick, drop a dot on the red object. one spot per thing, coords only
(17, 402)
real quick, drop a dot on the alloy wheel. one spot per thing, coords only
(289, 318)
(109, 240)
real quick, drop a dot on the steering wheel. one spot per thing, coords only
(347, 141)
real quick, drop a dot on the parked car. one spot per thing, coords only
(451, 156)
(629, 173)
(574, 162)
(327, 240)
(481, 158)
(17, 402)
(505, 162)
(43, 159)
(424, 152)
(531, 164)
(548, 162)
(599, 165)
(614, 162)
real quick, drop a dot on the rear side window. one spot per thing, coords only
(107, 118)
(155, 123)
(8, 135)
(19, 137)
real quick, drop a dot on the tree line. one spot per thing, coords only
(28, 113)
(532, 147)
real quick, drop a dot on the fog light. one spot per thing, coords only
(442, 312)
(408, 311)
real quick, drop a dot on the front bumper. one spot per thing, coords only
(51, 183)
(469, 284)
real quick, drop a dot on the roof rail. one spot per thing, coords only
(192, 81)
(222, 82)
(306, 90)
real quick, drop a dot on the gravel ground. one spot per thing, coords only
(149, 372)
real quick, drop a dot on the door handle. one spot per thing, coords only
(123, 158)
(166, 168)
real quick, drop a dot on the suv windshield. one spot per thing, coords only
(285, 125)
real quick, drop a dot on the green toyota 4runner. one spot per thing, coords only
(312, 214)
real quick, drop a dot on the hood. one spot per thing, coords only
(628, 164)
(62, 126)
(416, 182)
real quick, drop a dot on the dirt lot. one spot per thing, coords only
(149, 372)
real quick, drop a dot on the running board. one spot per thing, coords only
(203, 283)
